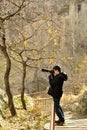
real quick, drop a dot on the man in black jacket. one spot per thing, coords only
(56, 84)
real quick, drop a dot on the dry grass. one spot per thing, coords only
(29, 119)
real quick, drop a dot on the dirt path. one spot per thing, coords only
(70, 124)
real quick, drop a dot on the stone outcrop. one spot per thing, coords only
(82, 106)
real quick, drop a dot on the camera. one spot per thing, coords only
(47, 70)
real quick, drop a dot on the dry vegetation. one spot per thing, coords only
(31, 119)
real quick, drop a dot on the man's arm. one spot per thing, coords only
(53, 80)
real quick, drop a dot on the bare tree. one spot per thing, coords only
(3, 48)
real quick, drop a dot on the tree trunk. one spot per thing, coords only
(23, 86)
(7, 73)
(6, 78)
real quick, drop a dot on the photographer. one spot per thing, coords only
(56, 80)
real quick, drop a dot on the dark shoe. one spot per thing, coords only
(60, 123)
(57, 122)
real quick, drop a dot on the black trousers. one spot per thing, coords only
(58, 109)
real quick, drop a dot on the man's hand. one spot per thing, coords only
(48, 73)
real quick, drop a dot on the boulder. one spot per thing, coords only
(82, 107)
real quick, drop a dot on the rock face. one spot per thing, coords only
(82, 107)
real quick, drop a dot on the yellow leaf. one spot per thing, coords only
(69, 58)
(33, 51)
(50, 31)
(25, 43)
(55, 43)
(10, 43)
(51, 60)
(51, 38)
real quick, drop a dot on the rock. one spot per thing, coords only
(74, 106)
(82, 107)
(3, 103)
(3, 99)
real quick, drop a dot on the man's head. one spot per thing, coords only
(57, 69)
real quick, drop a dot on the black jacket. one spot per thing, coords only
(56, 83)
